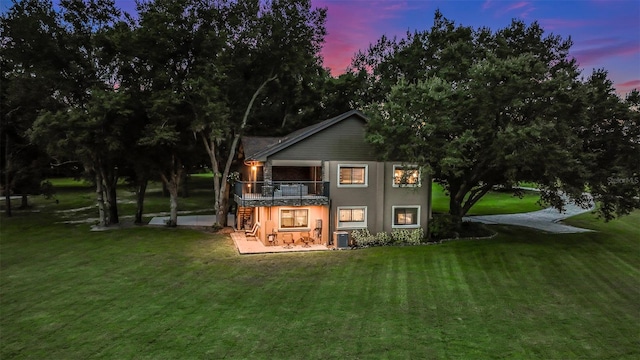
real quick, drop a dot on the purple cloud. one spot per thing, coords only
(591, 56)
(627, 86)
(502, 8)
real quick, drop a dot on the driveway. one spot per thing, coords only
(545, 220)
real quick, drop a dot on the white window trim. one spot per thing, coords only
(366, 175)
(281, 229)
(393, 176)
(351, 224)
(393, 217)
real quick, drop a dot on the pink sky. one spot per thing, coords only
(606, 34)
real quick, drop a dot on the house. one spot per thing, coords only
(323, 179)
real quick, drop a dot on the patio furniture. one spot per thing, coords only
(287, 240)
(253, 231)
(306, 238)
(273, 239)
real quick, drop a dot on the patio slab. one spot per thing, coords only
(245, 246)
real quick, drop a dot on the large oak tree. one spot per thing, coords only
(481, 109)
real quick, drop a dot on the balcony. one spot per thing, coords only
(281, 193)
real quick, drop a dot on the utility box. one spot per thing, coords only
(341, 239)
(231, 220)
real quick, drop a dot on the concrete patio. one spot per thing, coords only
(244, 246)
(254, 246)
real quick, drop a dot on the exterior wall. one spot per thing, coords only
(379, 196)
(343, 144)
(269, 218)
(398, 196)
(342, 141)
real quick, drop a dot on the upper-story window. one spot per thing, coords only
(352, 175)
(406, 176)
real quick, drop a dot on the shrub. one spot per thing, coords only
(443, 227)
(405, 236)
(363, 237)
(383, 239)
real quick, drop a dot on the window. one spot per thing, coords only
(352, 217)
(352, 175)
(406, 216)
(294, 218)
(406, 176)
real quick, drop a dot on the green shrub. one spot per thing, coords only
(443, 227)
(383, 239)
(363, 238)
(405, 236)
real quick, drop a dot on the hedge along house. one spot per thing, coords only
(323, 179)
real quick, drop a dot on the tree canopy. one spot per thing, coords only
(479, 109)
(176, 80)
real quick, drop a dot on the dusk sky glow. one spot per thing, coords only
(605, 34)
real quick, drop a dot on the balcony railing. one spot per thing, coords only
(265, 190)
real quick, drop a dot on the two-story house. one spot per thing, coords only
(326, 178)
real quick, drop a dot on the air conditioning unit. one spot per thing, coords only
(341, 239)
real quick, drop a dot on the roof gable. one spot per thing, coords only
(259, 148)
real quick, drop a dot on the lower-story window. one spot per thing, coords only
(352, 217)
(406, 216)
(294, 218)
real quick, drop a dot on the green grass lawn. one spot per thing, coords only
(73, 194)
(159, 293)
(494, 202)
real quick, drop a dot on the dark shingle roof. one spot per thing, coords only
(258, 148)
(254, 144)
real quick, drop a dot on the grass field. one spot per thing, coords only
(494, 202)
(67, 191)
(158, 293)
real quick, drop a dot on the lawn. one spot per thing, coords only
(494, 202)
(75, 199)
(159, 293)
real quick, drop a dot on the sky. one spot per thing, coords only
(605, 33)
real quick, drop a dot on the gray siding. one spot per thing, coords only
(379, 196)
(342, 141)
(398, 196)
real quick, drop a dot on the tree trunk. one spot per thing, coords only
(173, 201)
(172, 181)
(455, 209)
(141, 189)
(110, 181)
(113, 205)
(222, 193)
(7, 178)
(102, 221)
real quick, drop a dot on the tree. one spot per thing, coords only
(91, 114)
(30, 57)
(167, 60)
(610, 136)
(484, 109)
(273, 45)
